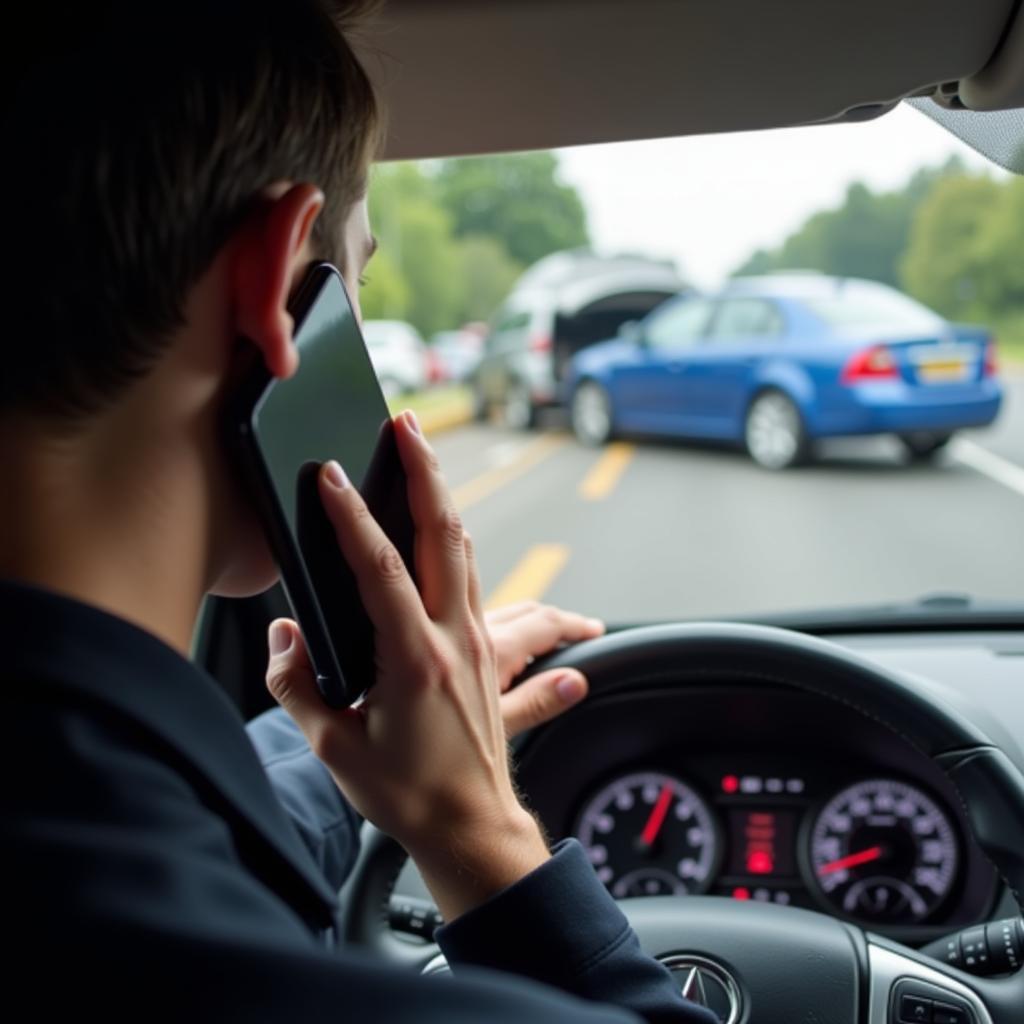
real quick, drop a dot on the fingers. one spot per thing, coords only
(541, 698)
(334, 735)
(543, 627)
(508, 612)
(476, 601)
(387, 591)
(440, 547)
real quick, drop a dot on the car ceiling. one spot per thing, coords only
(475, 76)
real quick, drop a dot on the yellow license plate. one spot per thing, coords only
(943, 370)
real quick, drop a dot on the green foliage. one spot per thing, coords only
(943, 265)
(1001, 287)
(385, 296)
(516, 199)
(417, 258)
(865, 236)
(487, 273)
(429, 262)
(454, 237)
(949, 238)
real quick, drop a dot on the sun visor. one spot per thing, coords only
(997, 135)
(984, 109)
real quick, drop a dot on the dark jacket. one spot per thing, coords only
(153, 873)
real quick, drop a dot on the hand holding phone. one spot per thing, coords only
(424, 756)
(280, 432)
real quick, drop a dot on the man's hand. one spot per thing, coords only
(521, 632)
(425, 755)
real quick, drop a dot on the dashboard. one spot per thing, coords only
(769, 793)
(754, 794)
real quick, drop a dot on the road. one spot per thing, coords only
(653, 531)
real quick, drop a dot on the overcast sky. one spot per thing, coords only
(709, 201)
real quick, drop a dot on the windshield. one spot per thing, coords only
(827, 412)
(857, 305)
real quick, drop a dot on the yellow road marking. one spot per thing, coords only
(531, 578)
(606, 471)
(487, 483)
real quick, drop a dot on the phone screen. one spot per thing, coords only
(332, 408)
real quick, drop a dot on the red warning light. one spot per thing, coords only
(760, 862)
(730, 784)
(741, 892)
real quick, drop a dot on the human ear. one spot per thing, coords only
(269, 249)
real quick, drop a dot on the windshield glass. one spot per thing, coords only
(738, 375)
(852, 304)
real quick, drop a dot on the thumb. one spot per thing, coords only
(540, 698)
(332, 733)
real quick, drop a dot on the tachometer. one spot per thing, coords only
(883, 851)
(649, 834)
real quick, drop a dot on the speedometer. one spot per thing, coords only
(649, 834)
(883, 851)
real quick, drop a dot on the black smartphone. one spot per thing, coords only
(280, 432)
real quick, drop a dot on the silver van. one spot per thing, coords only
(563, 303)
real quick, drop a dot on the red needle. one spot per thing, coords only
(851, 861)
(657, 818)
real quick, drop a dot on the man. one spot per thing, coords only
(170, 175)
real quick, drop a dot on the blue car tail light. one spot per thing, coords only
(991, 359)
(870, 364)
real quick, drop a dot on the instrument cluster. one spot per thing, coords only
(880, 850)
(760, 794)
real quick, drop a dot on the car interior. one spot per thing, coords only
(775, 734)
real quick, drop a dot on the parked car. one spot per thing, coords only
(563, 303)
(399, 356)
(458, 353)
(776, 362)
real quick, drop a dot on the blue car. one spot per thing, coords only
(774, 363)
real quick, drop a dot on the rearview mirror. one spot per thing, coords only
(632, 331)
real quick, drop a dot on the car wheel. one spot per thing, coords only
(774, 431)
(924, 444)
(519, 411)
(591, 413)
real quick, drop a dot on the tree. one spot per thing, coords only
(385, 296)
(865, 236)
(487, 274)
(418, 255)
(1000, 284)
(517, 200)
(945, 266)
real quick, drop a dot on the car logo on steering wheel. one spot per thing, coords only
(707, 984)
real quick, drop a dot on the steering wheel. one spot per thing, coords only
(778, 963)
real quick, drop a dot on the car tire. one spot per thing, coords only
(518, 410)
(774, 432)
(591, 413)
(923, 444)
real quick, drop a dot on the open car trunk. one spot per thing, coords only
(600, 320)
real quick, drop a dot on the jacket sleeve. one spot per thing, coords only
(328, 824)
(559, 925)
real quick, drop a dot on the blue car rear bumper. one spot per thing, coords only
(897, 408)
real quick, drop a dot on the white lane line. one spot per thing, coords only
(995, 467)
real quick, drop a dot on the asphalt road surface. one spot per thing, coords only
(643, 531)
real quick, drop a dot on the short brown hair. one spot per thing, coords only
(132, 151)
